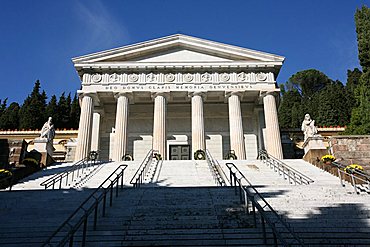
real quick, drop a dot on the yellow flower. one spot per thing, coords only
(353, 167)
(6, 172)
(327, 157)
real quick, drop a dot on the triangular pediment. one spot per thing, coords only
(177, 49)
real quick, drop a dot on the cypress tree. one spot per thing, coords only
(360, 120)
(52, 108)
(64, 110)
(10, 117)
(32, 112)
(75, 113)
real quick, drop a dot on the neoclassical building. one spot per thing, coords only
(178, 94)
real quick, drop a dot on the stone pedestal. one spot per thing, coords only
(46, 149)
(316, 142)
(314, 148)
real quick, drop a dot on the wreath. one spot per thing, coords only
(199, 155)
(127, 157)
(157, 156)
(231, 155)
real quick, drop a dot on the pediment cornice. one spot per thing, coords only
(131, 53)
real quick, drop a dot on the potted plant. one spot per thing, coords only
(327, 159)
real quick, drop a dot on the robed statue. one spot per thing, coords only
(308, 127)
(48, 130)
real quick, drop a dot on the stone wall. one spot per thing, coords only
(351, 149)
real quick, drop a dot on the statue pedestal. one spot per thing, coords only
(315, 142)
(46, 149)
(314, 148)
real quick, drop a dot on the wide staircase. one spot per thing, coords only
(180, 204)
(322, 213)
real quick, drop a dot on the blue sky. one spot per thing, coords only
(39, 38)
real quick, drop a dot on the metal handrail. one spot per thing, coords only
(217, 172)
(138, 178)
(65, 232)
(283, 169)
(77, 168)
(250, 197)
(341, 166)
(353, 180)
(9, 180)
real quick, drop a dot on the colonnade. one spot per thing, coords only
(89, 125)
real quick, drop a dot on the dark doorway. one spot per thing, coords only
(179, 152)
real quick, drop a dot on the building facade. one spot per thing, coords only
(176, 95)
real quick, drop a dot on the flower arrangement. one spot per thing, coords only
(327, 158)
(30, 161)
(5, 173)
(353, 167)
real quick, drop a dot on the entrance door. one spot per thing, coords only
(179, 152)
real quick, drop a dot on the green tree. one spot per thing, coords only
(52, 108)
(3, 106)
(360, 119)
(332, 107)
(362, 19)
(290, 109)
(64, 111)
(32, 112)
(10, 117)
(300, 95)
(75, 113)
(308, 82)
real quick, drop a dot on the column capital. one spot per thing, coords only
(231, 93)
(274, 93)
(99, 110)
(129, 95)
(93, 95)
(203, 94)
(164, 94)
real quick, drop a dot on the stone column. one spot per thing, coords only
(84, 127)
(197, 122)
(95, 130)
(120, 137)
(159, 126)
(273, 145)
(236, 126)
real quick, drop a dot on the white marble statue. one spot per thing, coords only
(308, 127)
(48, 130)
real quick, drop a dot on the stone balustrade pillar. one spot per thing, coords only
(120, 137)
(159, 125)
(197, 122)
(273, 145)
(84, 127)
(236, 126)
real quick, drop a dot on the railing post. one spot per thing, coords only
(263, 230)
(122, 179)
(84, 232)
(254, 212)
(340, 177)
(111, 194)
(96, 213)
(104, 201)
(117, 178)
(354, 184)
(275, 239)
(71, 241)
(240, 192)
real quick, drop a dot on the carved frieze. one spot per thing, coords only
(205, 77)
